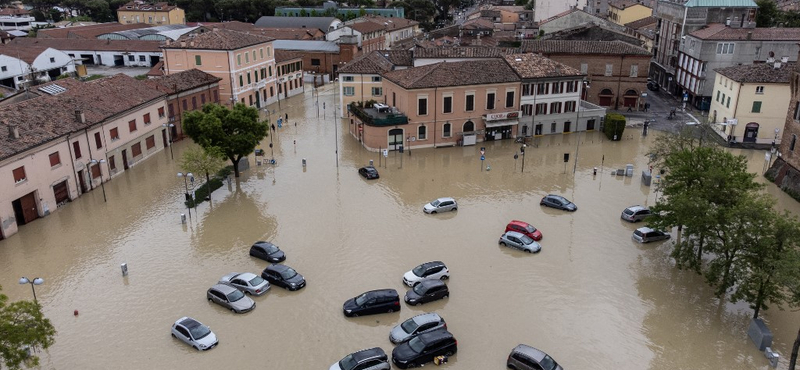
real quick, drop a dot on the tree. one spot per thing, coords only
(614, 126)
(768, 13)
(234, 132)
(200, 160)
(22, 326)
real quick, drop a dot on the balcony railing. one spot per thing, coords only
(371, 116)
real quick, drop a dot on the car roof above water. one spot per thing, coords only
(529, 351)
(369, 353)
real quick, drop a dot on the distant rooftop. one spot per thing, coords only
(759, 72)
(306, 45)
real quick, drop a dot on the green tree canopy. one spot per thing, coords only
(22, 326)
(233, 132)
(768, 13)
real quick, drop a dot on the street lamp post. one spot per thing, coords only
(169, 137)
(186, 187)
(37, 281)
(336, 124)
(522, 150)
(102, 184)
(585, 85)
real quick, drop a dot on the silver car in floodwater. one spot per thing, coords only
(441, 205)
(230, 298)
(247, 282)
(416, 325)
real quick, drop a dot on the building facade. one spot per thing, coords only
(140, 11)
(786, 169)
(186, 91)
(244, 62)
(626, 11)
(23, 64)
(290, 73)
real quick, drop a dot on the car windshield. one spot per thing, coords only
(348, 363)
(360, 300)
(200, 331)
(256, 281)
(435, 203)
(419, 270)
(416, 344)
(628, 211)
(530, 229)
(526, 239)
(288, 273)
(270, 248)
(547, 363)
(409, 326)
(235, 296)
(420, 289)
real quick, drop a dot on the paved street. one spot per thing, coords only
(592, 298)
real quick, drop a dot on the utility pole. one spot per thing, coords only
(793, 359)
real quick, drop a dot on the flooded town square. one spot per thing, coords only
(592, 298)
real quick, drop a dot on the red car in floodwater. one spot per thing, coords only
(524, 228)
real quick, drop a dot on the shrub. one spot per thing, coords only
(614, 126)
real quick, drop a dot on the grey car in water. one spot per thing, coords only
(441, 205)
(635, 213)
(194, 333)
(365, 359)
(230, 298)
(647, 235)
(416, 325)
(558, 202)
(247, 282)
(524, 357)
(520, 241)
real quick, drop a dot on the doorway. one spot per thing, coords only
(395, 138)
(590, 125)
(125, 159)
(750, 133)
(119, 60)
(538, 130)
(25, 209)
(61, 192)
(82, 181)
(164, 137)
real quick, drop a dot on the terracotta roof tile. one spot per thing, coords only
(403, 58)
(581, 47)
(537, 66)
(87, 32)
(182, 81)
(642, 23)
(88, 44)
(391, 23)
(759, 73)
(367, 27)
(460, 52)
(472, 72)
(218, 39)
(23, 51)
(286, 55)
(717, 31)
(370, 63)
(622, 4)
(148, 6)
(48, 117)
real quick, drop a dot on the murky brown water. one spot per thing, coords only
(592, 298)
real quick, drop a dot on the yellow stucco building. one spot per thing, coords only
(158, 14)
(626, 11)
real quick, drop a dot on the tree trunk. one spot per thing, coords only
(235, 162)
(208, 187)
(793, 359)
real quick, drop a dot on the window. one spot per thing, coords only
(756, 107)
(349, 91)
(4, 69)
(572, 86)
(557, 87)
(150, 142)
(241, 83)
(314, 62)
(98, 141)
(469, 105)
(634, 70)
(422, 132)
(269, 70)
(376, 79)
(542, 88)
(246, 58)
(55, 159)
(797, 111)
(194, 102)
(161, 112)
(422, 106)
(113, 133)
(725, 47)
(527, 110)
(526, 89)
(136, 149)
(261, 53)
(347, 78)
(759, 89)
(447, 105)
(728, 105)
(19, 174)
(490, 98)
(509, 99)
(238, 59)
(569, 106)
(609, 69)
(198, 61)
(76, 148)
(446, 130)
(52, 60)
(132, 125)
(111, 164)
(377, 91)
(216, 96)
(185, 104)
(553, 127)
(146, 118)
(249, 81)
(95, 170)
(142, 58)
(541, 108)
(555, 107)
(717, 95)
(131, 58)
(203, 99)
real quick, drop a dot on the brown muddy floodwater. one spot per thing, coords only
(593, 299)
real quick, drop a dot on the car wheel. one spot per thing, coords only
(233, 310)
(411, 365)
(354, 315)
(416, 303)
(210, 300)
(173, 335)
(448, 353)
(503, 244)
(246, 292)
(196, 347)
(446, 296)
(512, 367)
(433, 212)
(444, 277)
(529, 250)
(390, 310)
(455, 208)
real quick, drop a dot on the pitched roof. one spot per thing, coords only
(370, 63)
(307, 45)
(87, 32)
(367, 27)
(459, 52)
(759, 73)
(622, 4)
(537, 66)
(13, 11)
(443, 74)
(582, 47)
(721, 4)
(390, 23)
(642, 22)
(147, 6)
(718, 31)
(559, 15)
(322, 23)
(48, 117)
(218, 39)
(22, 51)
(286, 55)
(478, 24)
(292, 33)
(89, 44)
(182, 81)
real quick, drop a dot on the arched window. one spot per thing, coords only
(447, 130)
(631, 93)
(422, 132)
(469, 126)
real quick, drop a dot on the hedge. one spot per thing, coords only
(614, 126)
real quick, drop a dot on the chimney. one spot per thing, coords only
(777, 65)
(749, 35)
(169, 40)
(183, 43)
(79, 116)
(215, 29)
(13, 132)
(191, 43)
(784, 59)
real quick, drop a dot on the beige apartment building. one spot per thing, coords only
(749, 102)
(360, 80)
(244, 62)
(441, 104)
(72, 138)
(157, 14)
(622, 12)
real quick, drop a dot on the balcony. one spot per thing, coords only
(388, 116)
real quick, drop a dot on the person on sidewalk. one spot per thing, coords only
(630, 108)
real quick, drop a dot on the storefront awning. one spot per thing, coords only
(509, 122)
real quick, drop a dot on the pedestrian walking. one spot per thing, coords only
(630, 108)
(646, 106)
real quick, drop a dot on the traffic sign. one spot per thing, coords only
(483, 158)
(386, 152)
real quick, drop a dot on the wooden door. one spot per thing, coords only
(29, 211)
(61, 192)
(125, 159)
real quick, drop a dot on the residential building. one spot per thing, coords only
(550, 8)
(718, 46)
(86, 31)
(677, 19)
(330, 8)
(72, 138)
(644, 30)
(442, 104)
(290, 73)
(425, 56)
(23, 64)
(395, 28)
(360, 80)
(551, 97)
(15, 19)
(750, 102)
(616, 71)
(573, 18)
(141, 11)
(786, 169)
(593, 32)
(186, 91)
(626, 11)
(112, 53)
(244, 62)
(324, 24)
(373, 35)
(321, 59)
(601, 7)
